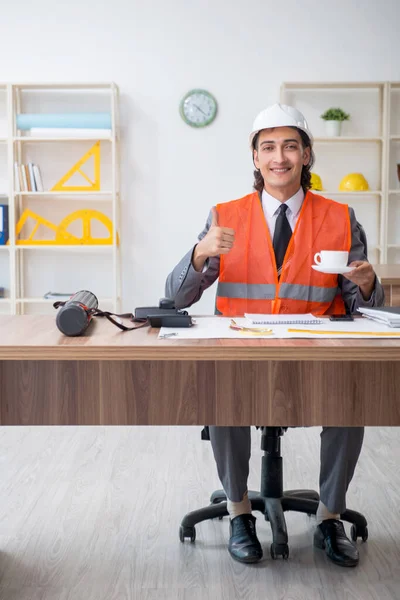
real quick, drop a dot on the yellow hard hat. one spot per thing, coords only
(316, 182)
(354, 182)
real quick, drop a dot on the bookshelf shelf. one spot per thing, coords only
(333, 85)
(344, 140)
(67, 86)
(352, 194)
(60, 139)
(52, 300)
(66, 248)
(77, 195)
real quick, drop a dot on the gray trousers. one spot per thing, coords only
(340, 449)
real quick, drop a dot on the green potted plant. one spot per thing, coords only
(334, 118)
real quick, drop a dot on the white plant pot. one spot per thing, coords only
(333, 128)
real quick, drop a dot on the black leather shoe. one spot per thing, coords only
(331, 537)
(243, 543)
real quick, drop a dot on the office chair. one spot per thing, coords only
(272, 501)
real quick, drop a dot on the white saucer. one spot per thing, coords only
(333, 270)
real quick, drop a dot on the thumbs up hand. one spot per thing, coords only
(218, 240)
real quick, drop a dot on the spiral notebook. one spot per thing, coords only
(307, 319)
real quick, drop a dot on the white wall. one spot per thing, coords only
(156, 51)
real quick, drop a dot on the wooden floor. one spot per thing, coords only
(93, 514)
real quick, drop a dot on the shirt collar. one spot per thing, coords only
(271, 205)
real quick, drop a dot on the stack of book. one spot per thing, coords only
(27, 178)
(388, 315)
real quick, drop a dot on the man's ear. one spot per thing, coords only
(255, 159)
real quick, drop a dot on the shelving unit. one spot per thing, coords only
(87, 195)
(393, 212)
(60, 139)
(344, 139)
(370, 144)
(48, 301)
(5, 255)
(29, 271)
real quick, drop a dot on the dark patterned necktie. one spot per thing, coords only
(282, 235)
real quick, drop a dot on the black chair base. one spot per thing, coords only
(272, 502)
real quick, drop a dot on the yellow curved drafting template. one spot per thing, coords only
(87, 216)
(94, 186)
(61, 236)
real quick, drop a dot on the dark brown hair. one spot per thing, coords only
(305, 181)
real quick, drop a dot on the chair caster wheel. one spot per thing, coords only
(279, 550)
(357, 532)
(187, 532)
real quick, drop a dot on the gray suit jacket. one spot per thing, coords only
(185, 285)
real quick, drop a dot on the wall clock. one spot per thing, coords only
(198, 108)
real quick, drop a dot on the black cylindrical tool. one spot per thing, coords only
(75, 315)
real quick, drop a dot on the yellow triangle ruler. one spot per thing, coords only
(94, 186)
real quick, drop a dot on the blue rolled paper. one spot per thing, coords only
(100, 120)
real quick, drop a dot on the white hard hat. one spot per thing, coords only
(279, 115)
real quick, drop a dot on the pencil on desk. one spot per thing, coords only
(378, 333)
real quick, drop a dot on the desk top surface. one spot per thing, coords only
(36, 337)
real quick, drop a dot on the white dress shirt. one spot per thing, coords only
(271, 209)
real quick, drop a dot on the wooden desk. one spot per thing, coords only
(113, 378)
(390, 279)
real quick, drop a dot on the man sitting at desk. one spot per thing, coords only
(261, 247)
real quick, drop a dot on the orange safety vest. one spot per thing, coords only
(248, 279)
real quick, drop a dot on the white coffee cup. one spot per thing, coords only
(331, 258)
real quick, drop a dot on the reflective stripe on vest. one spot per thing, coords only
(265, 291)
(296, 291)
(251, 291)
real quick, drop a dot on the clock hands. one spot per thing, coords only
(198, 108)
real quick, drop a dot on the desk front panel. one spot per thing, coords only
(195, 392)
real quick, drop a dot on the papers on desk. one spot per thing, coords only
(209, 328)
(296, 319)
(388, 315)
(218, 327)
